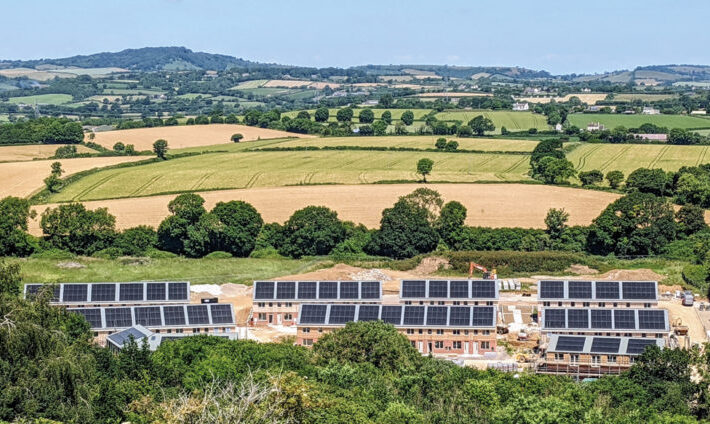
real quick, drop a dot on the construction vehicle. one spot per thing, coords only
(487, 275)
(679, 328)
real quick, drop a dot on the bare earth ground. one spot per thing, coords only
(489, 205)
(36, 151)
(187, 135)
(23, 178)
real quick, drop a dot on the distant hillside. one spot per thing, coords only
(502, 72)
(654, 75)
(144, 59)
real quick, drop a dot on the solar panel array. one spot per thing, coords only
(449, 289)
(399, 315)
(597, 290)
(604, 319)
(135, 292)
(601, 345)
(314, 291)
(194, 315)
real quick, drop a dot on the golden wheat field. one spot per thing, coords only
(34, 151)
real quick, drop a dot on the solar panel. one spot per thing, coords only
(92, 315)
(638, 290)
(652, 319)
(130, 291)
(313, 314)
(570, 344)
(439, 288)
(368, 313)
(307, 289)
(118, 317)
(33, 289)
(458, 289)
(75, 293)
(123, 337)
(391, 314)
(460, 316)
(221, 314)
(341, 314)
(414, 288)
(483, 289)
(607, 290)
(605, 345)
(149, 316)
(579, 289)
(555, 318)
(483, 316)
(178, 291)
(413, 315)
(552, 289)
(174, 315)
(624, 319)
(197, 314)
(436, 315)
(328, 290)
(285, 290)
(637, 346)
(601, 318)
(264, 290)
(577, 318)
(370, 290)
(155, 291)
(349, 290)
(103, 292)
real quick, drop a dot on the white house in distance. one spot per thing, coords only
(521, 106)
(647, 110)
(595, 126)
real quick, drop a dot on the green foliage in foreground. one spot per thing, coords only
(365, 373)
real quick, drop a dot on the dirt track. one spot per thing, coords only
(489, 205)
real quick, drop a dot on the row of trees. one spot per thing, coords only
(365, 373)
(41, 130)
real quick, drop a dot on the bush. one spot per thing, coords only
(53, 253)
(108, 253)
(268, 252)
(695, 275)
(219, 255)
(154, 253)
(135, 241)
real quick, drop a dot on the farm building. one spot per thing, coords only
(449, 292)
(521, 106)
(595, 126)
(589, 356)
(647, 110)
(652, 137)
(138, 333)
(277, 302)
(463, 330)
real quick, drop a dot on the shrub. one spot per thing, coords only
(268, 252)
(53, 253)
(154, 253)
(695, 275)
(108, 253)
(219, 255)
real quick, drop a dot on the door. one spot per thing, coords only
(429, 346)
(475, 348)
(421, 347)
(278, 319)
(465, 348)
(271, 318)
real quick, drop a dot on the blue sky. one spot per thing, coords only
(579, 36)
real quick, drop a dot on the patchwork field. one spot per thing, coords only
(34, 151)
(417, 142)
(589, 98)
(514, 121)
(268, 169)
(453, 94)
(490, 205)
(187, 135)
(47, 99)
(634, 121)
(23, 178)
(628, 157)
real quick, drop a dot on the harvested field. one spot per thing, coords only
(221, 171)
(34, 151)
(23, 178)
(514, 121)
(491, 205)
(417, 142)
(187, 135)
(634, 121)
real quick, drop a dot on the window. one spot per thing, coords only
(632, 359)
(559, 356)
(456, 332)
(441, 302)
(307, 342)
(611, 359)
(545, 303)
(438, 345)
(486, 332)
(408, 302)
(485, 345)
(278, 304)
(421, 331)
(428, 331)
(585, 304)
(262, 317)
(307, 330)
(646, 305)
(289, 304)
(440, 332)
(271, 304)
(559, 303)
(596, 359)
(574, 358)
(456, 302)
(572, 304)
(465, 332)
(457, 345)
(288, 317)
(414, 344)
(320, 330)
(410, 331)
(261, 304)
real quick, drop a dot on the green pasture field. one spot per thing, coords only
(513, 121)
(49, 99)
(629, 157)
(634, 121)
(197, 271)
(416, 142)
(191, 96)
(646, 97)
(269, 169)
